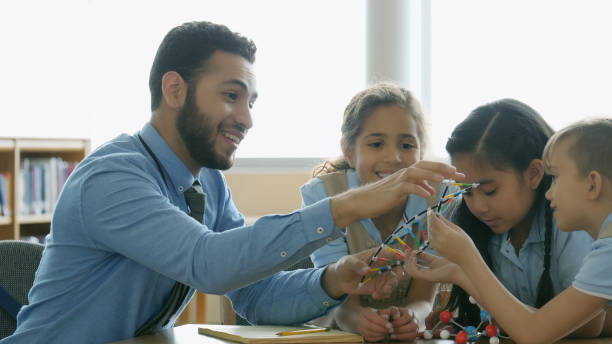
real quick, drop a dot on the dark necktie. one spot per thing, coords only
(196, 199)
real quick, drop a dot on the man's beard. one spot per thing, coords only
(199, 136)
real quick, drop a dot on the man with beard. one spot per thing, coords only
(133, 236)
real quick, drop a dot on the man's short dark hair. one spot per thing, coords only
(186, 48)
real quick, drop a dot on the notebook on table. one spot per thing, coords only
(268, 334)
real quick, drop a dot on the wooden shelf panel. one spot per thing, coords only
(30, 219)
(7, 144)
(5, 220)
(34, 145)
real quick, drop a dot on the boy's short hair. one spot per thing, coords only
(590, 145)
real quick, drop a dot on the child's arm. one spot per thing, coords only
(556, 319)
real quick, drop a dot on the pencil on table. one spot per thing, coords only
(306, 331)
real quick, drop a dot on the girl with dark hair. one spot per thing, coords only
(500, 145)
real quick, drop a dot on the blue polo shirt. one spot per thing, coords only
(595, 276)
(521, 273)
(120, 238)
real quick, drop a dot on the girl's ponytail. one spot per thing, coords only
(545, 287)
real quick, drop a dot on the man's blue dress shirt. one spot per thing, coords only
(120, 238)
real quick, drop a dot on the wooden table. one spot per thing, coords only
(188, 334)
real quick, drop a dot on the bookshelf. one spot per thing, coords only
(13, 152)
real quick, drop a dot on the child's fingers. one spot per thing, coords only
(412, 268)
(450, 224)
(371, 325)
(406, 332)
(404, 316)
(426, 257)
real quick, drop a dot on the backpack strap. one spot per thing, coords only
(607, 232)
(357, 238)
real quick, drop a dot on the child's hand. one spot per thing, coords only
(432, 268)
(404, 324)
(374, 324)
(449, 240)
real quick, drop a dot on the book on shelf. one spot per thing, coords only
(40, 183)
(268, 334)
(5, 209)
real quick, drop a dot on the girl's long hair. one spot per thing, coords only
(507, 134)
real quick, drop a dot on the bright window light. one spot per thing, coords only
(81, 68)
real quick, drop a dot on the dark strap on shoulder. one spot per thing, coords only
(335, 182)
(607, 232)
(9, 304)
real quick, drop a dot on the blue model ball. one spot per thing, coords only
(484, 315)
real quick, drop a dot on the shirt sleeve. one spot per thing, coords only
(286, 298)
(126, 212)
(312, 192)
(595, 276)
(572, 249)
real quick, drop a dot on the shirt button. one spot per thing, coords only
(283, 254)
(320, 230)
(180, 188)
(325, 303)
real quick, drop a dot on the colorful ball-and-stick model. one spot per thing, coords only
(395, 236)
(468, 333)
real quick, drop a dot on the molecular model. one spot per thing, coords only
(404, 230)
(469, 333)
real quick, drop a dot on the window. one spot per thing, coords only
(81, 68)
(552, 55)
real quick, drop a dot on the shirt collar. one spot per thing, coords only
(177, 174)
(537, 232)
(605, 223)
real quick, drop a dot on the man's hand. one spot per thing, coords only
(374, 199)
(343, 277)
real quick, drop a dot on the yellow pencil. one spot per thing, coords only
(306, 331)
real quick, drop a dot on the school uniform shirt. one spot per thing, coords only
(595, 276)
(314, 191)
(521, 274)
(120, 238)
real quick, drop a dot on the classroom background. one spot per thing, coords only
(76, 75)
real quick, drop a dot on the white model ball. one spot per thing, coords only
(494, 340)
(427, 334)
(444, 334)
